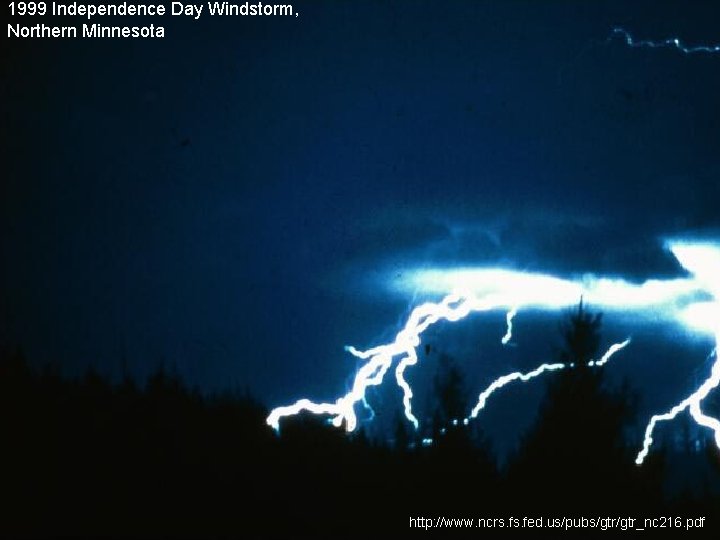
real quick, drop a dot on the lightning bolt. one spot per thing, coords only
(674, 43)
(452, 308)
(505, 379)
(508, 290)
(524, 377)
(509, 321)
(676, 296)
(702, 260)
(379, 359)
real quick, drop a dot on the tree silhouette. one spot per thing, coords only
(577, 444)
(87, 457)
(460, 455)
(581, 337)
(450, 393)
(403, 439)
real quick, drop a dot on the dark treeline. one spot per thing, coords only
(82, 457)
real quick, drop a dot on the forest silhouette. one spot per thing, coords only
(87, 457)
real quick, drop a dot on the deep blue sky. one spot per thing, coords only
(227, 200)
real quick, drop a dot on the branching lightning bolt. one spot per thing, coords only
(702, 260)
(379, 359)
(453, 307)
(508, 290)
(518, 289)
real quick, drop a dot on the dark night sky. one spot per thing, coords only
(228, 199)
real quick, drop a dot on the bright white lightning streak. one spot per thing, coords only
(509, 320)
(533, 290)
(505, 379)
(680, 300)
(379, 359)
(504, 289)
(674, 43)
(611, 351)
(703, 260)
(692, 403)
(524, 377)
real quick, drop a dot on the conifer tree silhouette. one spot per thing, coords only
(576, 447)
